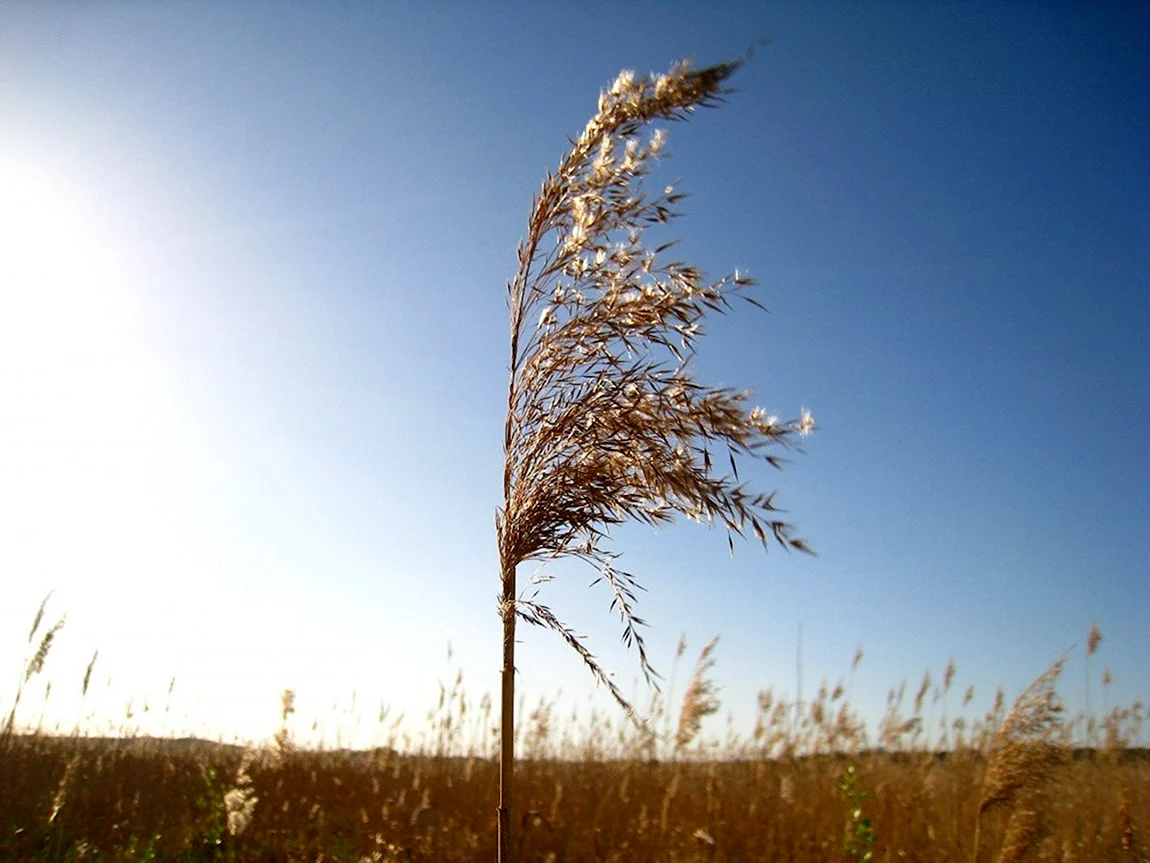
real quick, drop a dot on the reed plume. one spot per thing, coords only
(1024, 753)
(1093, 639)
(605, 421)
(700, 700)
(33, 666)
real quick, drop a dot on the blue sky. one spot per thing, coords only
(254, 345)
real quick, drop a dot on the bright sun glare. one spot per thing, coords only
(83, 429)
(103, 492)
(69, 363)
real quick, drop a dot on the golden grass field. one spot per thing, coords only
(800, 788)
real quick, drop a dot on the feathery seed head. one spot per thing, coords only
(1093, 639)
(88, 673)
(922, 691)
(36, 663)
(700, 700)
(1025, 748)
(605, 421)
(39, 617)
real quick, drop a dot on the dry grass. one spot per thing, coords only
(700, 700)
(33, 665)
(125, 795)
(593, 788)
(1026, 751)
(605, 421)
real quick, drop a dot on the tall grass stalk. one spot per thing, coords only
(1093, 639)
(605, 421)
(31, 667)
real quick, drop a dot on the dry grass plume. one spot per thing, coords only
(700, 700)
(605, 421)
(1024, 754)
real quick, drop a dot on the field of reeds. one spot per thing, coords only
(1023, 782)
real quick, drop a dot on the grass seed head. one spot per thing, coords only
(1025, 750)
(1093, 639)
(700, 700)
(605, 422)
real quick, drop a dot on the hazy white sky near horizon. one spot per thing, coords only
(253, 346)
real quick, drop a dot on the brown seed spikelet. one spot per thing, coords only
(1093, 639)
(39, 616)
(88, 673)
(923, 689)
(36, 663)
(700, 700)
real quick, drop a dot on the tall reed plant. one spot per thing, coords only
(32, 666)
(605, 421)
(1026, 751)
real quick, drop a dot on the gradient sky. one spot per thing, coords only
(253, 347)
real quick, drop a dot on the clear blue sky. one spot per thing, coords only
(253, 344)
